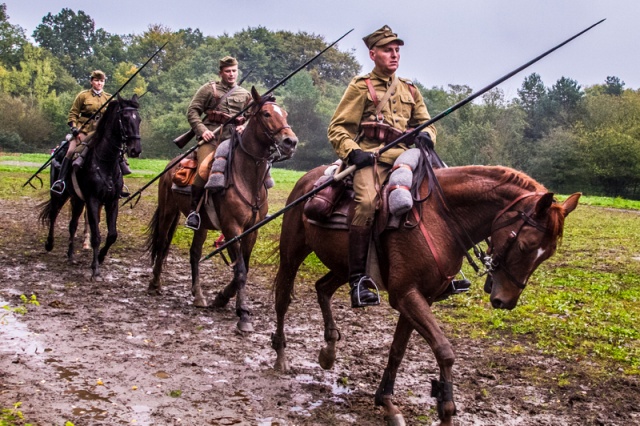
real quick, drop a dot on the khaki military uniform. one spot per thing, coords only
(84, 106)
(404, 109)
(204, 100)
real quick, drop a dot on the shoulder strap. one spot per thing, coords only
(385, 98)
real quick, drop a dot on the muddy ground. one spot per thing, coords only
(106, 353)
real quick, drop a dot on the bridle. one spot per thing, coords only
(274, 153)
(495, 258)
(123, 134)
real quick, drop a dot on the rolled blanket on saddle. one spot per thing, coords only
(217, 177)
(400, 180)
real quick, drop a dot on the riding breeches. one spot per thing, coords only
(73, 145)
(205, 158)
(366, 186)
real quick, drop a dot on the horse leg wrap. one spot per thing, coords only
(443, 392)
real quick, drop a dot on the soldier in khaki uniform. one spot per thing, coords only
(360, 126)
(84, 106)
(220, 101)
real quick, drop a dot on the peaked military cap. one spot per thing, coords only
(98, 75)
(381, 37)
(228, 61)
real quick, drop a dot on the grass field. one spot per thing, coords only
(582, 305)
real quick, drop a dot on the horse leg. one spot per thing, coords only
(96, 238)
(292, 254)
(86, 243)
(237, 286)
(325, 288)
(48, 216)
(195, 254)
(384, 394)
(111, 213)
(76, 212)
(415, 308)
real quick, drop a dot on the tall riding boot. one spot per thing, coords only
(78, 163)
(124, 166)
(361, 296)
(59, 186)
(193, 220)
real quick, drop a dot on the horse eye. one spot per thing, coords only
(266, 115)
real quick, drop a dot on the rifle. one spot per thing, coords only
(186, 137)
(93, 116)
(190, 150)
(346, 172)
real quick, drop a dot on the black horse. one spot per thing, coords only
(99, 182)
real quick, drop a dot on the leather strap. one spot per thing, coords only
(374, 97)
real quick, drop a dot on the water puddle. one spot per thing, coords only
(336, 388)
(16, 337)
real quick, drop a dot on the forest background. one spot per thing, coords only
(570, 138)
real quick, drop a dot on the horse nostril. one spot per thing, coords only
(496, 303)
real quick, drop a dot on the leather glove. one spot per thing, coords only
(424, 139)
(360, 158)
(75, 132)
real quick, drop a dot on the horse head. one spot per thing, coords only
(279, 141)
(129, 120)
(523, 235)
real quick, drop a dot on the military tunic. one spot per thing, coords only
(403, 110)
(204, 100)
(84, 106)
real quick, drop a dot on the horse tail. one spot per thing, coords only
(157, 244)
(45, 212)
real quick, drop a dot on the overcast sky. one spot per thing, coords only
(471, 42)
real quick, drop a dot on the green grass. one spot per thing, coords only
(582, 305)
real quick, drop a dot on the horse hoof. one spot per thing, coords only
(48, 246)
(200, 302)
(154, 291)
(281, 365)
(395, 420)
(86, 246)
(219, 302)
(245, 326)
(97, 278)
(326, 358)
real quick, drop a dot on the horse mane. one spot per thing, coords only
(109, 117)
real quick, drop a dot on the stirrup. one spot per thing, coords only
(359, 287)
(59, 182)
(455, 287)
(195, 216)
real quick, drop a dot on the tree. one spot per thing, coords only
(12, 40)
(69, 37)
(614, 86)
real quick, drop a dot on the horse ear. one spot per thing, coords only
(254, 94)
(134, 98)
(119, 98)
(571, 203)
(544, 203)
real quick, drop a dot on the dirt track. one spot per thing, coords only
(108, 354)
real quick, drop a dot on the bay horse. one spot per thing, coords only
(267, 136)
(99, 182)
(518, 216)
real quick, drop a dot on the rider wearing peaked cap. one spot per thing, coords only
(85, 105)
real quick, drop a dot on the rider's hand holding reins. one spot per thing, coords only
(424, 139)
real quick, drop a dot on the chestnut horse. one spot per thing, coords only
(521, 219)
(266, 137)
(99, 182)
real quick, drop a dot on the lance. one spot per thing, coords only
(93, 116)
(346, 172)
(193, 148)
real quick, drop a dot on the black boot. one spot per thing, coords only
(59, 186)
(124, 166)
(361, 296)
(193, 219)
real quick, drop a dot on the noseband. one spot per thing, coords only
(496, 257)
